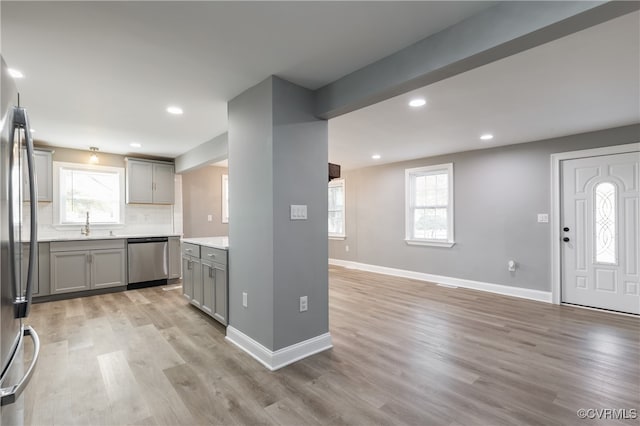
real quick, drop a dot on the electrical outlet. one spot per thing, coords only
(346, 248)
(543, 218)
(304, 305)
(511, 266)
(209, 218)
(244, 299)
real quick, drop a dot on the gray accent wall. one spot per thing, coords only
(277, 157)
(251, 209)
(300, 154)
(202, 196)
(497, 195)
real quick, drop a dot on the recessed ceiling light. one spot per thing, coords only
(376, 156)
(417, 102)
(135, 145)
(486, 137)
(15, 73)
(174, 110)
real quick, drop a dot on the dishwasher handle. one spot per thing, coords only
(147, 240)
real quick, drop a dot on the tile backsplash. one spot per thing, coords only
(139, 219)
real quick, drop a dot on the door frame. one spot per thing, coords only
(556, 203)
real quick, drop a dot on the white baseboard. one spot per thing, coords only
(524, 293)
(274, 360)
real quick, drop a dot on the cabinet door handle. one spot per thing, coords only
(210, 272)
(211, 255)
(189, 265)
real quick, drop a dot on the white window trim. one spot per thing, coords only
(450, 241)
(340, 182)
(224, 203)
(57, 165)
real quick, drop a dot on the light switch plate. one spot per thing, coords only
(543, 218)
(210, 218)
(298, 212)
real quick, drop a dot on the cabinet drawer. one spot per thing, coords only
(214, 255)
(191, 250)
(76, 245)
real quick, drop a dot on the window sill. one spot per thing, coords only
(337, 237)
(433, 243)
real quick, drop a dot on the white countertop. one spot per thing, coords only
(213, 242)
(80, 237)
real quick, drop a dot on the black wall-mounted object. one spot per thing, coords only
(334, 171)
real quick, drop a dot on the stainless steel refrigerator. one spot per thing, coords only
(18, 230)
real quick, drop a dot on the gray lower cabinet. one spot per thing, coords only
(70, 271)
(204, 279)
(107, 268)
(220, 292)
(208, 285)
(191, 273)
(175, 260)
(25, 269)
(87, 265)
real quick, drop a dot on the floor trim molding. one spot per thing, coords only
(524, 293)
(275, 360)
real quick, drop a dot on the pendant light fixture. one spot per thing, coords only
(93, 159)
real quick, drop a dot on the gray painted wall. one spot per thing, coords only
(277, 157)
(498, 193)
(300, 147)
(251, 226)
(202, 196)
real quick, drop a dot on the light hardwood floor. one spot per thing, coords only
(405, 352)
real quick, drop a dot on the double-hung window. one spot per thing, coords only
(429, 205)
(336, 209)
(98, 190)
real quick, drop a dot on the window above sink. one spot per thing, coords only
(82, 188)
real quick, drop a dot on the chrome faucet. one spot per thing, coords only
(86, 229)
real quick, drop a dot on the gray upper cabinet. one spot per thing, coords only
(139, 182)
(43, 161)
(150, 182)
(163, 183)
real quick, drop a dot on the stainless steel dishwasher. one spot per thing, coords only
(148, 259)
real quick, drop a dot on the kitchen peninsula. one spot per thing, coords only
(205, 275)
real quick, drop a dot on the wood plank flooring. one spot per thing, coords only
(405, 353)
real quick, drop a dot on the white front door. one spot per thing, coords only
(601, 232)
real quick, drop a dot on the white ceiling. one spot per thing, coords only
(102, 73)
(587, 81)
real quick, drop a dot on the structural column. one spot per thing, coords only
(277, 159)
